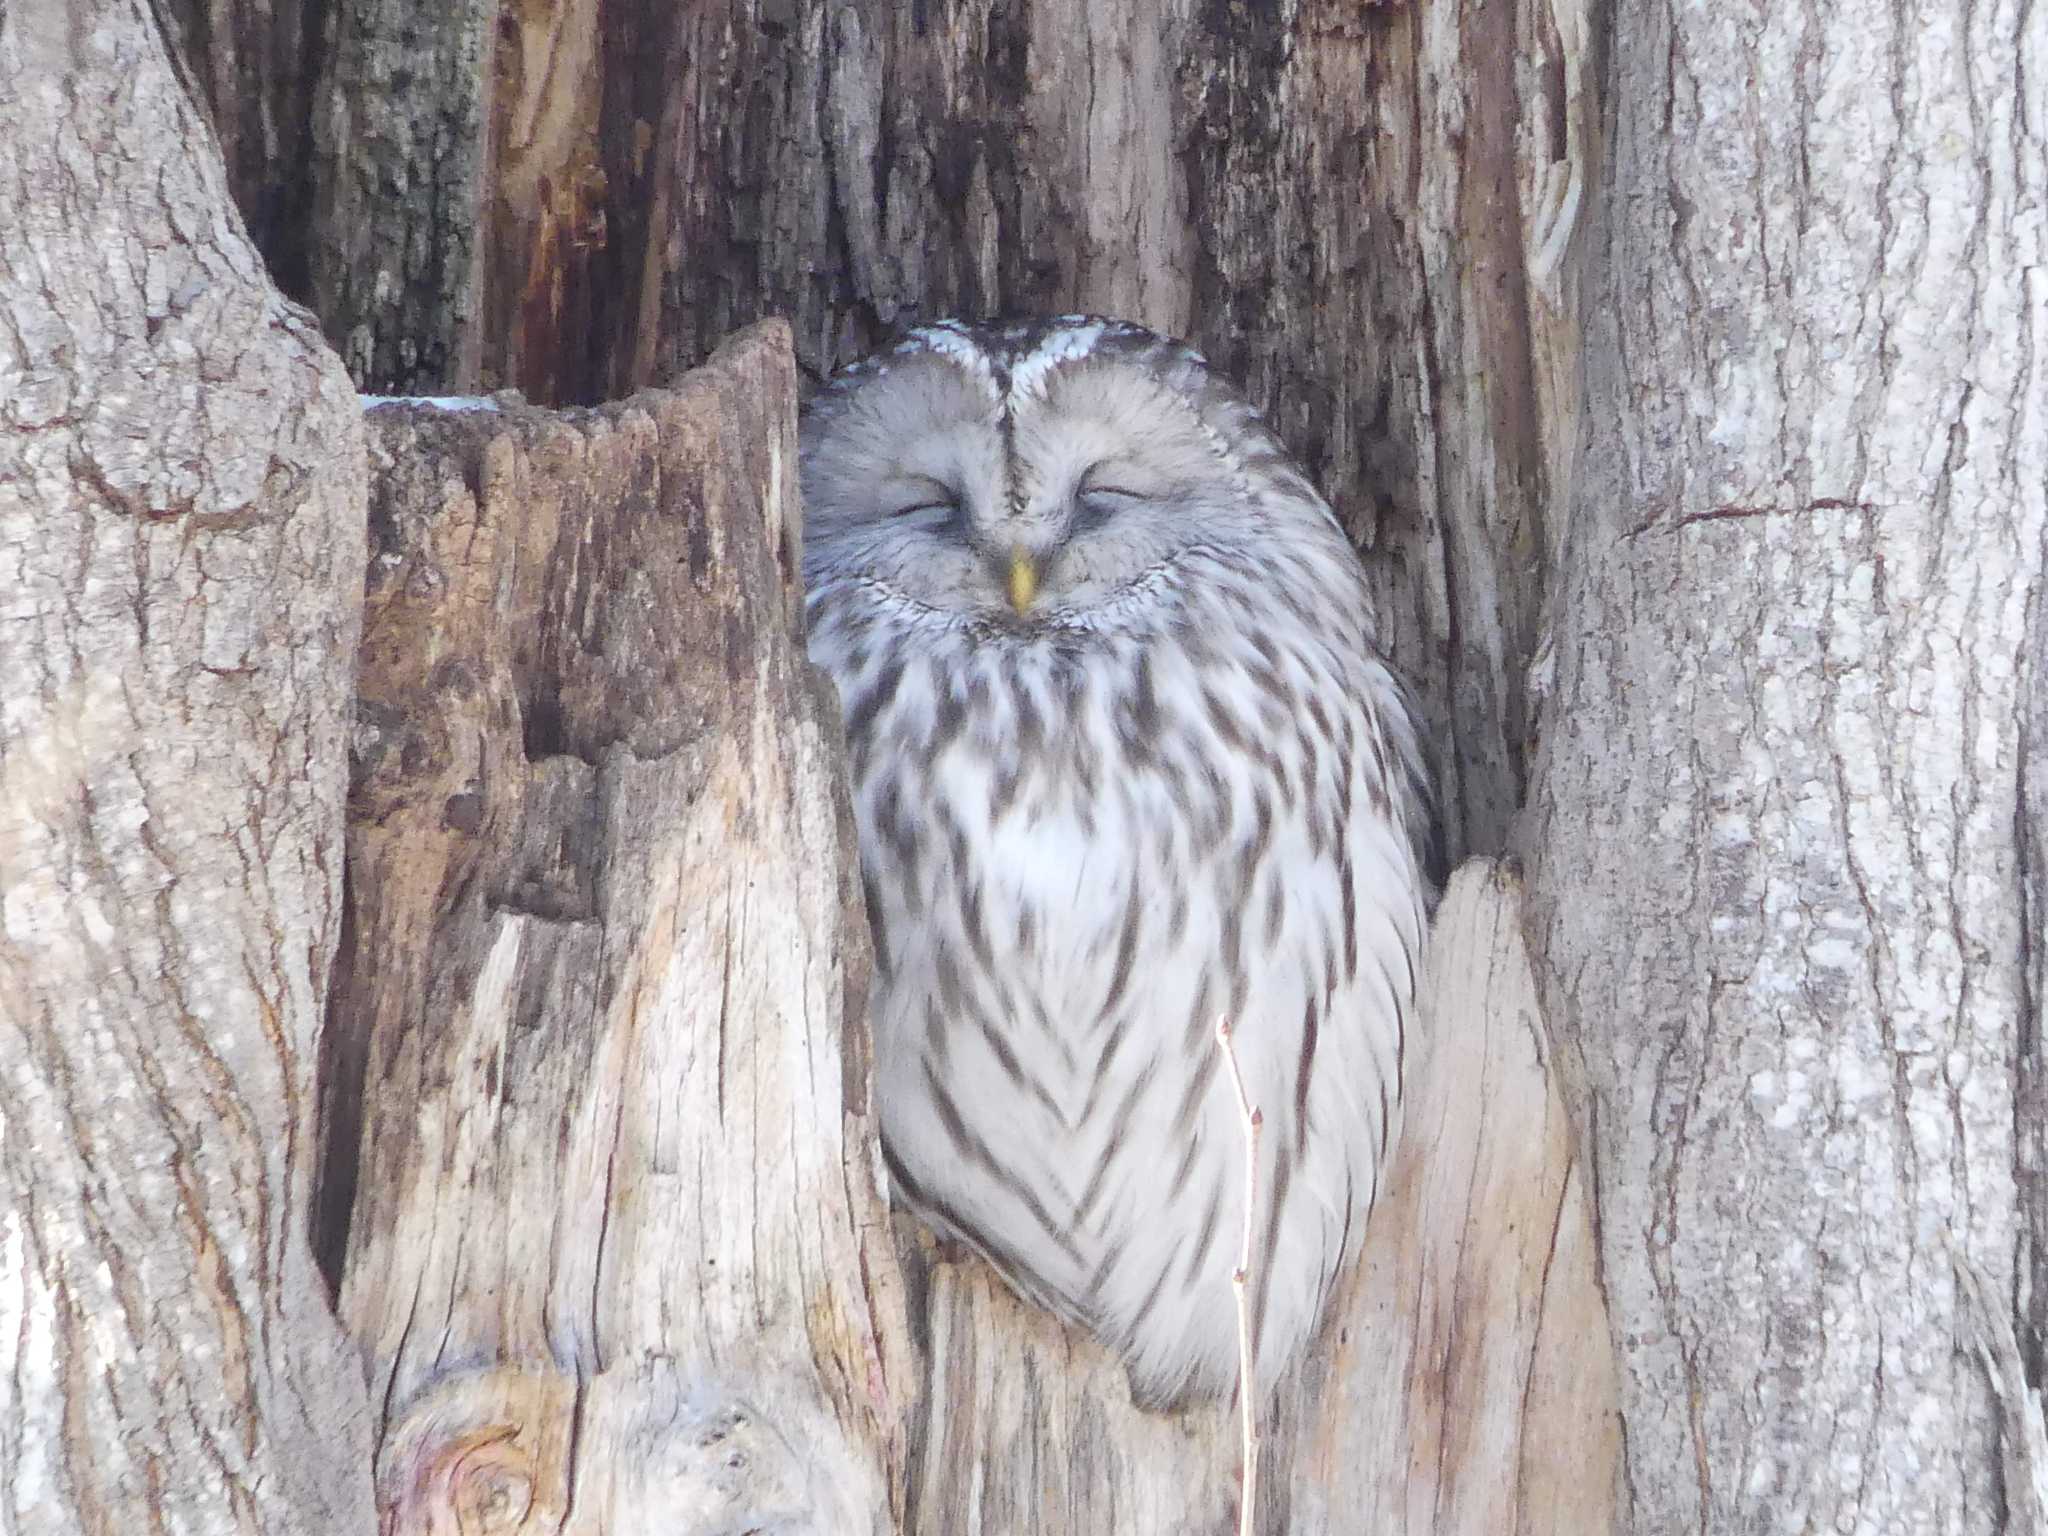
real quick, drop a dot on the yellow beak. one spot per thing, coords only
(1023, 579)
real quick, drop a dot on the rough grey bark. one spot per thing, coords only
(400, 134)
(2014, 1339)
(181, 557)
(617, 1257)
(1777, 880)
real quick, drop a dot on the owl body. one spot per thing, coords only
(1125, 762)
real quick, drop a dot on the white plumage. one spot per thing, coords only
(1125, 760)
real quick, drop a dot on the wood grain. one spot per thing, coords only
(613, 1235)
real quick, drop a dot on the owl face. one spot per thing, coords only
(1032, 475)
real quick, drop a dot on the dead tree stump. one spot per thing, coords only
(601, 1163)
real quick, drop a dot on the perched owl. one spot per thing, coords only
(1125, 760)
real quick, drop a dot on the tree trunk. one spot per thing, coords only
(617, 1252)
(1776, 874)
(1726, 614)
(1255, 181)
(181, 562)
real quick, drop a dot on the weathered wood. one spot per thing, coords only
(398, 186)
(1776, 880)
(616, 1254)
(181, 559)
(2014, 1340)
(1028, 1428)
(1465, 1383)
(1472, 1386)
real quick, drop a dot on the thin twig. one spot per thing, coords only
(1247, 1363)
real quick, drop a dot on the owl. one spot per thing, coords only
(1125, 760)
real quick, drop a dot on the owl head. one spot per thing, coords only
(1034, 474)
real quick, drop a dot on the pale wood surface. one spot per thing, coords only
(1472, 1380)
(616, 1252)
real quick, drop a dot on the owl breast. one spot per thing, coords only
(1084, 843)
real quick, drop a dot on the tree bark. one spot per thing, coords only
(1726, 611)
(618, 1257)
(400, 133)
(181, 558)
(1776, 878)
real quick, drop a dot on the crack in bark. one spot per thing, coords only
(1735, 512)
